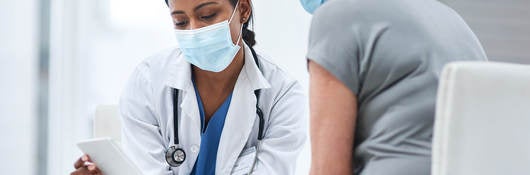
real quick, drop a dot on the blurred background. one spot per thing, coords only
(59, 59)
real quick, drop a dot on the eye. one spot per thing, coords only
(181, 24)
(209, 16)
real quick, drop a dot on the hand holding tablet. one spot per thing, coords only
(108, 156)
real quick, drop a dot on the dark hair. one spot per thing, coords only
(248, 35)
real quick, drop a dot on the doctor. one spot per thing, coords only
(211, 105)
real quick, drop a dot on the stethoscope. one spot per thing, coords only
(175, 155)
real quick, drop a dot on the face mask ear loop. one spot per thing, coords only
(233, 13)
(230, 20)
(240, 33)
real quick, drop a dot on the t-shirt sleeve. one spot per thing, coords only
(333, 45)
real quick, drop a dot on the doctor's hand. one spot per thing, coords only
(85, 166)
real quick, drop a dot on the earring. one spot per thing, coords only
(243, 19)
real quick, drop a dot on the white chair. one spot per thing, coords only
(482, 122)
(107, 122)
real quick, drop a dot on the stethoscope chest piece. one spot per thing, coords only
(175, 156)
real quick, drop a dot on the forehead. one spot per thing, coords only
(183, 4)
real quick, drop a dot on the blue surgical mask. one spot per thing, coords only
(209, 48)
(311, 5)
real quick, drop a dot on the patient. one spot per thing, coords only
(374, 67)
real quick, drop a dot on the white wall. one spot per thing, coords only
(18, 71)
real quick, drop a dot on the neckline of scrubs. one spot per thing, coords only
(219, 113)
(210, 136)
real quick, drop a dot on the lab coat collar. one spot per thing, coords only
(256, 78)
(178, 72)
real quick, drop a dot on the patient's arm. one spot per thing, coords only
(333, 108)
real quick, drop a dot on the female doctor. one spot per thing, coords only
(211, 105)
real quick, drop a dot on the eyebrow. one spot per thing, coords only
(196, 8)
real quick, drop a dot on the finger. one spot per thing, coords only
(88, 163)
(82, 161)
(79, 163)
(93, 169)
(86, 158)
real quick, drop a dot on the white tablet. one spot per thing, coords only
(108, 156)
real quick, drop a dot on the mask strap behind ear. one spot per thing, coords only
(240, 30)
(240, 33)
(233, 13)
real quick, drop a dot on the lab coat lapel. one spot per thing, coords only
(179, 77)
(241, 115)
(238, 125)
(189, 129)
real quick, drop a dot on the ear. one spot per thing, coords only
(245, 8)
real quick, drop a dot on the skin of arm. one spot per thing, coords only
(333, 108)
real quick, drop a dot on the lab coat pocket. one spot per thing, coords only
(244, 162)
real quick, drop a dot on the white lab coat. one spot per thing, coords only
(147, 114)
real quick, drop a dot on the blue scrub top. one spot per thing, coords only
(210, 136)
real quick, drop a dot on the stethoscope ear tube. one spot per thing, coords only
(175, 155)
(175, 116)
(258, 93)
(260, 116)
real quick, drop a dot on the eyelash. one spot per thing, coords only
(209, 16)
(182, 24)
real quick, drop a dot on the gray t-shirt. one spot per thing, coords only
(390, 54)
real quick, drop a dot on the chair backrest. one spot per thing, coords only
(482, 124)
(107, 122)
